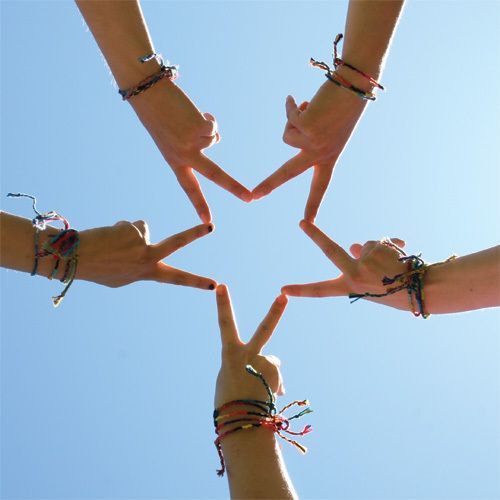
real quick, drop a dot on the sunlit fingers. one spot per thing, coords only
(332, 250)
(293, 167)
(212, 171)
(173, 243)
(192, 188)
(173, 276)
(330, 288)
(319, 185)
(227, 321)
(265, 330)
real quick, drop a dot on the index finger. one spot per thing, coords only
(331, 249)
(293, 167)
(212, 171)
(227, 323)
(319, 184)
(266, 328)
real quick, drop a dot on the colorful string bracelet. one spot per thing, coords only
(341, 81)
(165, 71)
(412, 281)
(227, 421)
(60, 246)
(337, 61)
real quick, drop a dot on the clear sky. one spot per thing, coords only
(110, 396)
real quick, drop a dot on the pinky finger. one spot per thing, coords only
(173, 276)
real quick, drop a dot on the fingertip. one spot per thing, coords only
(282, 299)
(304, 224)
(247, 196)
(210, 227)
(221, 290)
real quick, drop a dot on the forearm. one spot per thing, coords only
(255, 467)
(120, 30)
(466, 283)
(17, 244)
(370, 25)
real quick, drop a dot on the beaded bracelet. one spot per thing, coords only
(165, 71)
(412, 281)
(62, 245)
(267, 416)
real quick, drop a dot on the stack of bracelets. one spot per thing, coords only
(228, 419)
(165, 71)
(341, 81)
(412, 281)
(61, 246)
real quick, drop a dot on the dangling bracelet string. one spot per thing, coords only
(63, 245)
(266, 417)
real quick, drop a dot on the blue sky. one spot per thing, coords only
(110, 395)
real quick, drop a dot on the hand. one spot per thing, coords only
(320, 129)
(362, 273)
(121, 254)
(233, 381)
(181, 133)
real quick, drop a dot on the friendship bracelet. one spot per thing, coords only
(267, 417)
(341, 81)
(165, 71)
(412, 281)
(62, 245)
(337, 61)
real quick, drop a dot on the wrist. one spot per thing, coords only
(129, 70)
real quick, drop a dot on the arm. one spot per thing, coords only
(321, 128)
(113, 256)
(462, 284)
(466, 283)
(178, 128)
(255, 466)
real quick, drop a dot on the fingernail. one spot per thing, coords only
(210, 228)
(211, 286)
